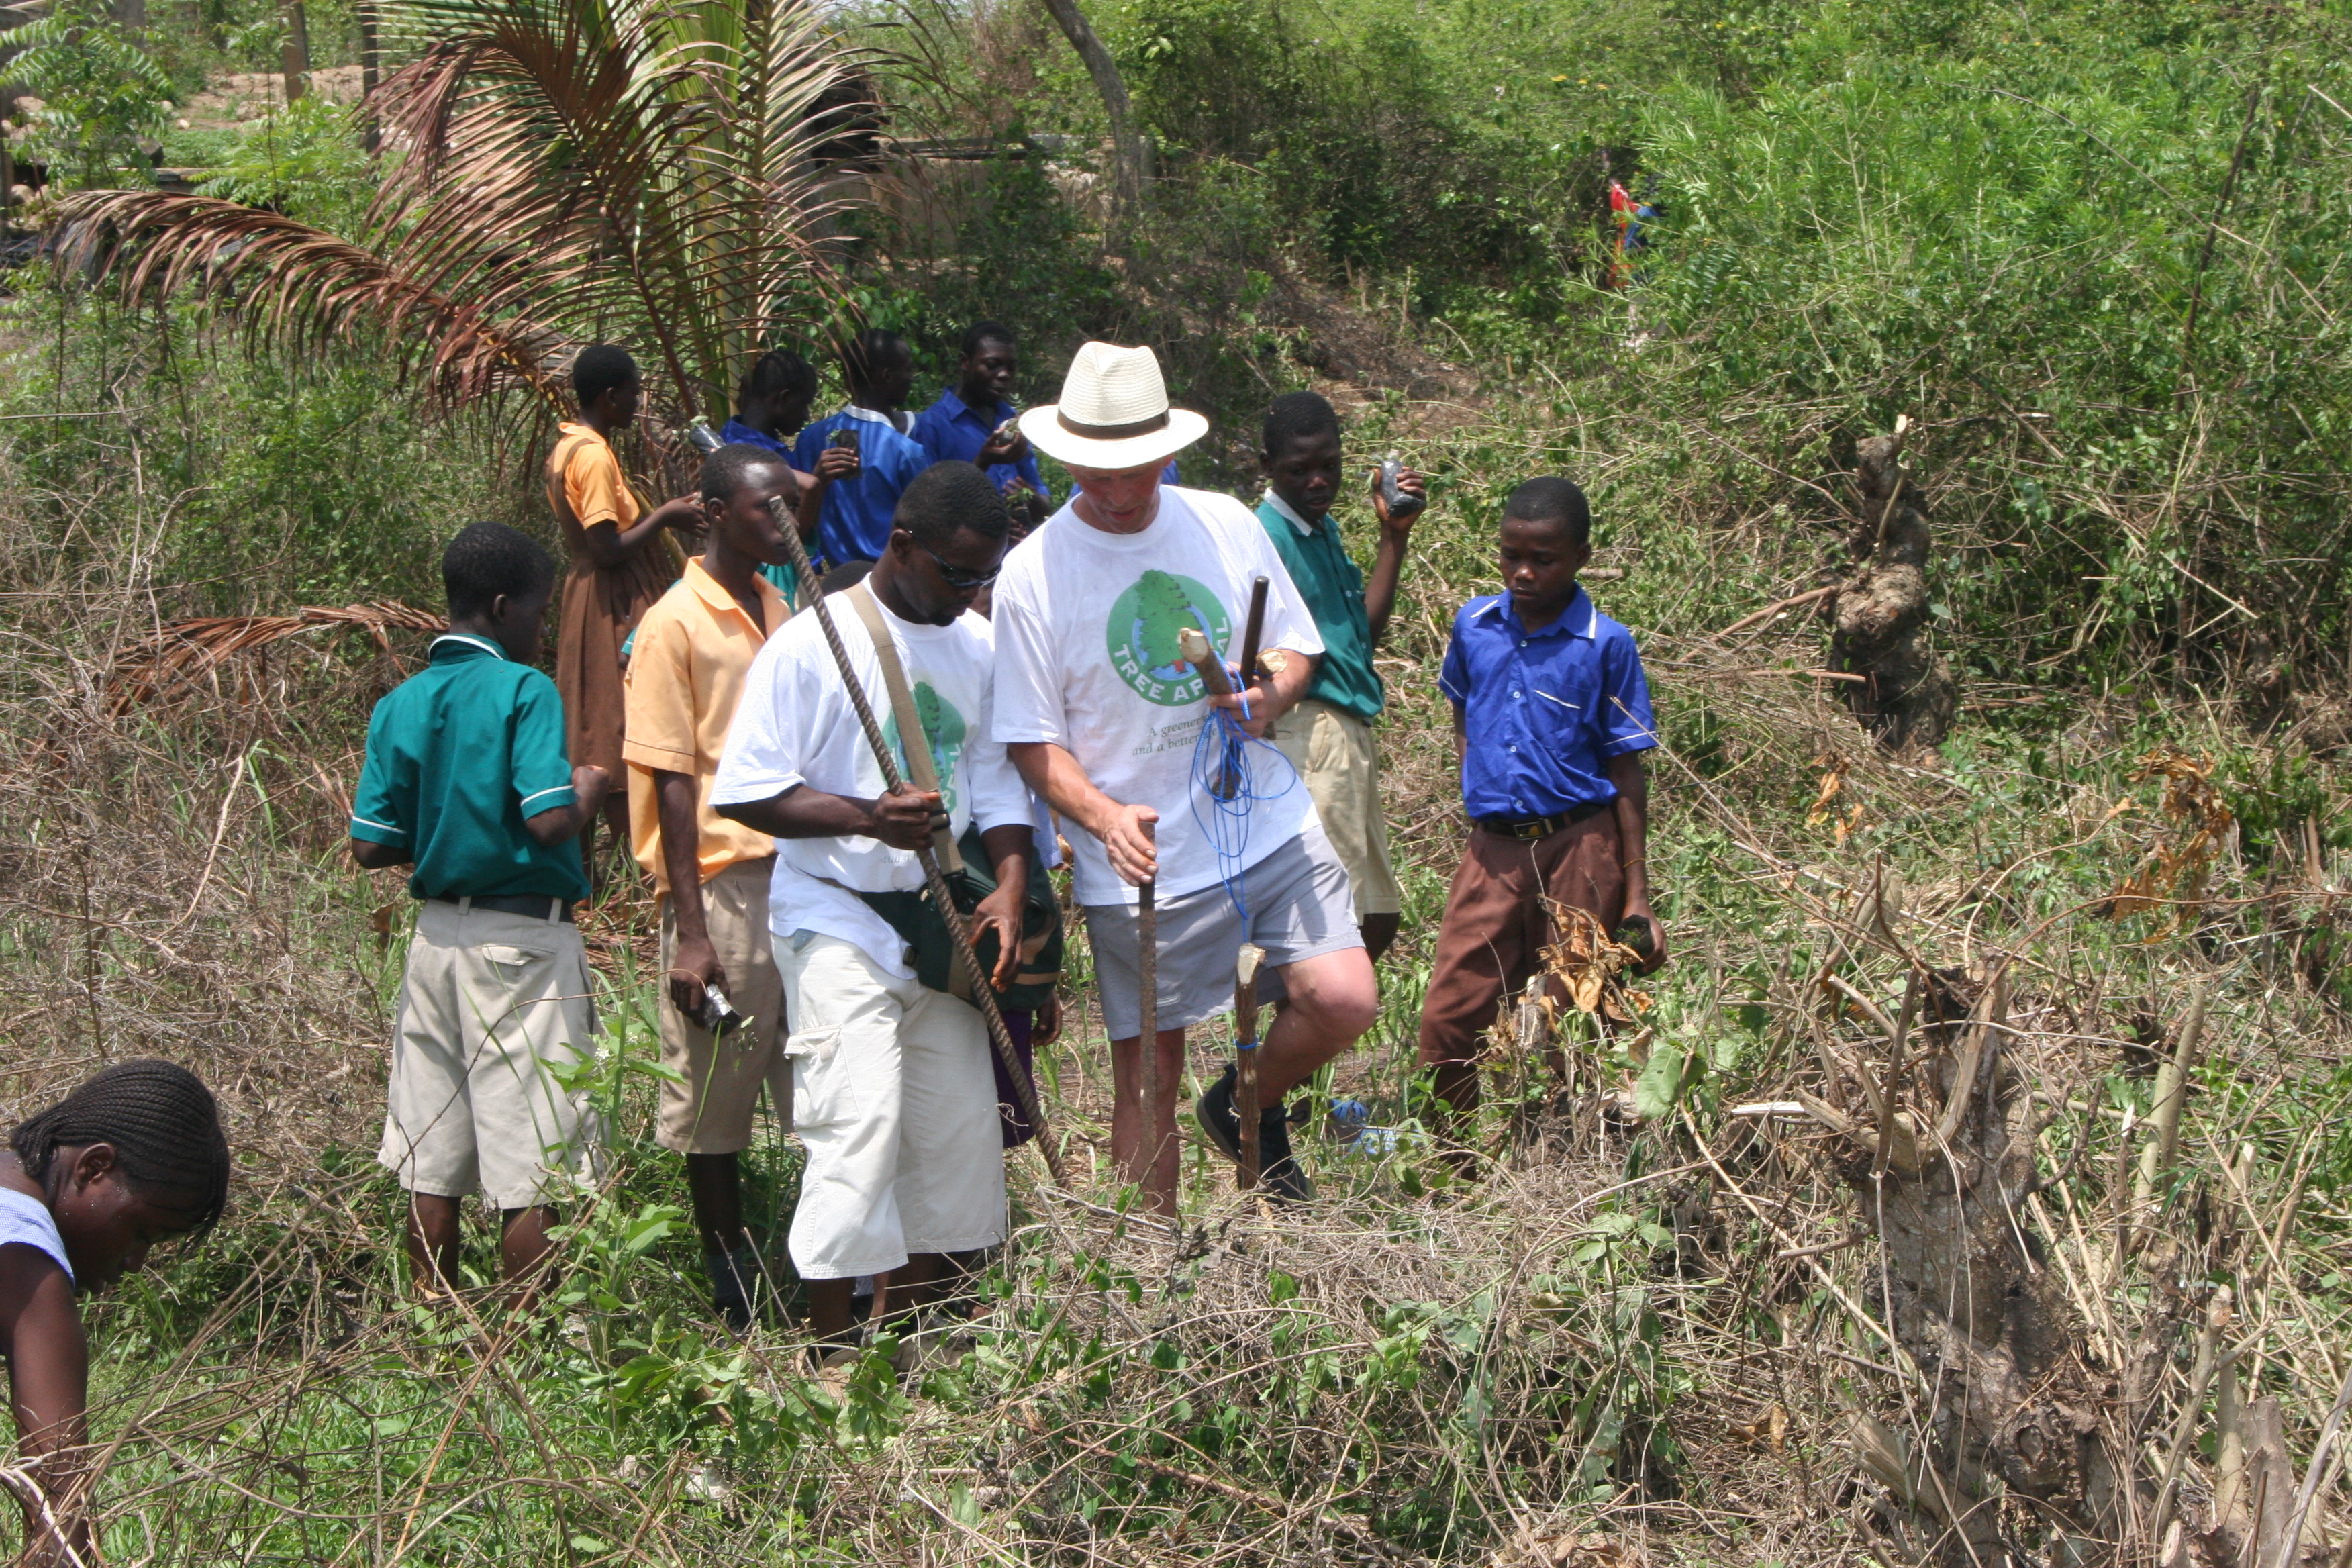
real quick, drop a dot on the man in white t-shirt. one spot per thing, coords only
(1105, 719)
(893, 1095)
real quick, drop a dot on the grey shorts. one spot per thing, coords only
(1300, 906)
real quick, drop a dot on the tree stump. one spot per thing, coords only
(1906, 696)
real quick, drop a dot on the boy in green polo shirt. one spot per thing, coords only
(1329, 736)
(467, 781)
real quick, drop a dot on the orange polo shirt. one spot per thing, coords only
(694, 649)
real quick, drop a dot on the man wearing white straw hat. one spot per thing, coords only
(1103, 716)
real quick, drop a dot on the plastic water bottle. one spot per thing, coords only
(1349, 1120)
(706, 441)
(1400, 503)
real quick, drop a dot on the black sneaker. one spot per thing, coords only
(1278, 1171)
(733, 1278)
(1215, 1111)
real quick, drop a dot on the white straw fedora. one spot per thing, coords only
(1113, 414)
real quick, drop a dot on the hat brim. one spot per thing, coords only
(1050, 436)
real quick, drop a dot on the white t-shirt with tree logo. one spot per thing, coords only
(795, 726)
(1087, 657)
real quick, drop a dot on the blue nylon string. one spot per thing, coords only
(1224, 747)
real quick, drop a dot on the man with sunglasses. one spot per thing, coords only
(1105, 718)
(893, 1094)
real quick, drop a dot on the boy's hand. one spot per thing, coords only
(684, 513)
(1008, 446)
(1001, 912)
(1638, 910)
(836, 463)
(903, 820)
(589, 784)
(1411, 484)
(1045, 1024)
(694, 969)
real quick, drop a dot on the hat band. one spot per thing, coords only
(1112, 432)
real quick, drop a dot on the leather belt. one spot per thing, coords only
(537, 909)
(1532, 827)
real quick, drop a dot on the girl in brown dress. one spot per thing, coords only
(618, 569)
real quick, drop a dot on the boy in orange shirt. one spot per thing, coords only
(694, 649)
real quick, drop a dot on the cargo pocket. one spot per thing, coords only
(823, 1093)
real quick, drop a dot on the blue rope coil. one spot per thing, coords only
(1222, 751)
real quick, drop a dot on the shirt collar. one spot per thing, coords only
(873, 416)
(714, 594)
(493, 649)
(1581, 619)
(1305, 529)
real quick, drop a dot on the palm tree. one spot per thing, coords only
(556, 172)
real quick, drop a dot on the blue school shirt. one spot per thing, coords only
(457, 755)
(1544, 711)
(856, 522)
(951, 430)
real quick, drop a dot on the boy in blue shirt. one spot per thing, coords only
(1552, 715)
(962, 426)
(467, 781)
(859, 485)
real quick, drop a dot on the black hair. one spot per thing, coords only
(1296, 416)
(981, 332)
(779, 373)
(599, 368)
(488, 559)
(948, 498)
(869, 348)
(844, 577)
(722, 471)
(163, 1121)
(1552, 498)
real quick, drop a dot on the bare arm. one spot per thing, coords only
(1271, 696)
(1009, 849)
(374, 856)
(1125, 830)
(609, 545)
(49, 1388)
(561, 824)
(694, 962)
(1388, 565)
(903, 821)
(1632, 777)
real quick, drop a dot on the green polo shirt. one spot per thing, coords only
(1334, 591)
(457, 755)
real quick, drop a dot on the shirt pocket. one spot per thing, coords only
(823, 1094)
(1562, 710)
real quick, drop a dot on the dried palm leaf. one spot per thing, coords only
(187, 652)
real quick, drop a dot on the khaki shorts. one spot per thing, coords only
(1336, 755)
(1298, 908)
(489, 1002)
(711, 1112)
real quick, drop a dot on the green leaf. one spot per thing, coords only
(1661, 1083)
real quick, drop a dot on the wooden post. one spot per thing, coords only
(1246, 1106)
(294, 51)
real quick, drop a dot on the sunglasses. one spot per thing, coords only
(957, 576)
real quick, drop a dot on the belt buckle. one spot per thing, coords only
(1535, 828)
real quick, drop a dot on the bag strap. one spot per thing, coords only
(914, 743)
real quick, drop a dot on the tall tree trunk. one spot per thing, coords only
(130, 16)
(368, 66)
(1131, 153)
(294, 54)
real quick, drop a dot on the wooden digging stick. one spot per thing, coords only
(1245, 1058)
(1147, 1002)
(983, 991)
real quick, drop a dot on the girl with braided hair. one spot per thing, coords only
(130, 1160)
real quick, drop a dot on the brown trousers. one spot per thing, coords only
(1497, 925)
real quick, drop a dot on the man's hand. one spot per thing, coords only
(1265, 706)
(1001, 912)
(837, 463)
(694, 969)
(1410, 483)
(1002, 447)
(1126, 834)
(1045, 1024)
(904, 820)
(1638, 911)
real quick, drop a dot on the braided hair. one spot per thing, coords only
(161, 1122)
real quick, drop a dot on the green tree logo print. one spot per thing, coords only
(1142, 636)
(943, 727)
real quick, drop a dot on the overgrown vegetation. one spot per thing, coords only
(2088, 249)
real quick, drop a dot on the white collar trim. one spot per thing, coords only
(493, 649)
(875, 417)
(1305, 529)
